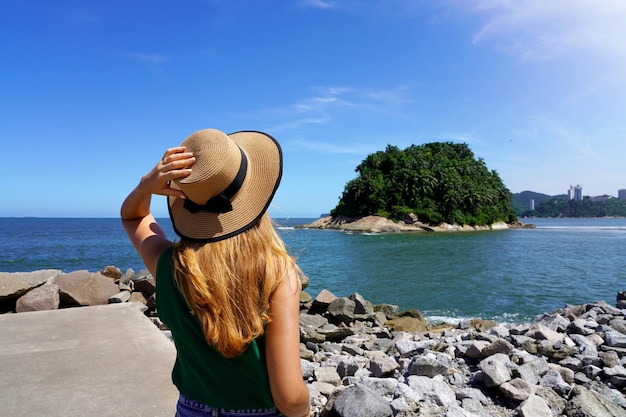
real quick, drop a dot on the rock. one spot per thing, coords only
(83, 288)
(360, 401)
(407, 324)
(384, 387)
(408, 348)
(305, 298)
(517, 389)
(382, 365)
(534, 406)
(120, 297)
(566, 373)
(475, 349)
(585, 346)
(496, 369)
(328, 375)
(41, 298)
(409, 218)
(434, 391)
(609, 359)
(472, 393)
(540, 332)
(307, 368)
(112, 272)
(533, 370)
(427, 365)
(552, 379)
(615, 339)
(313, 321)
(347, 367)
(323, 299)
(388, 310)
(145, 284)
(554, 322)
(483, 325)
(342, 309)
(587, 403)
(15, 284)
(362, 306)
(138, 297)
(497, 346)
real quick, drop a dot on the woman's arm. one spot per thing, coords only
(145, 234)
(282, 343)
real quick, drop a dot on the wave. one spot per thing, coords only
(582, 227)
(510, 318)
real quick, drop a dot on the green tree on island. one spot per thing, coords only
(438, 182)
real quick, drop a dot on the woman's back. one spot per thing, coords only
(200, 371)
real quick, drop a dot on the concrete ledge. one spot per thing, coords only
(89, 361)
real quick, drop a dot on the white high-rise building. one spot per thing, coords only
(575, 193)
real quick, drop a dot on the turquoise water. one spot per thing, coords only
(508, 275)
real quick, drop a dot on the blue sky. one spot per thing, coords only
(93, 92)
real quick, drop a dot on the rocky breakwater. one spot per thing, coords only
(364, 360)
(52, 289)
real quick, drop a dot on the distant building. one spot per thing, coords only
(532, 203)
(621, 194)
(601, 198)
(575, 193)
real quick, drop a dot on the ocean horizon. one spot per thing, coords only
(505, 275)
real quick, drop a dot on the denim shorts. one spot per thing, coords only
(187, 407)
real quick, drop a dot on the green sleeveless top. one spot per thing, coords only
(200, 371)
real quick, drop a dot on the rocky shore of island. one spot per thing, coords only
(409, 223)
(361, 359)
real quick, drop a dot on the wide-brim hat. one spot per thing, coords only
(231, 185)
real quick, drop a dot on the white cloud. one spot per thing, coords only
(150, 58)
(548, 29)
(318, 4)
(332, 148)
(330, 99)
(298, 123)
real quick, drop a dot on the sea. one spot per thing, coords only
(505, 275)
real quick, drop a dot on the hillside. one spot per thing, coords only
(521, 201)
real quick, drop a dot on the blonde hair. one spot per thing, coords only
(228, 284)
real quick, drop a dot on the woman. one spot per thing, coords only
(228, 290)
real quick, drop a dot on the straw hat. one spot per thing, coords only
(231, 184)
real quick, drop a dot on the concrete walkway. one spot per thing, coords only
(89, 362)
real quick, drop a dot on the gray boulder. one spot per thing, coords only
(342, 309)
(15, 284)
(145, 284)
(83, 288)
(497, 370)
(382, 365)
(534, 406)
(41, 298)
(360, 401)
(587, 403)
(435, 391)
(552, 379)
(428, 365)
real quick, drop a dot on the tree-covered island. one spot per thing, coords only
(439, 182)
